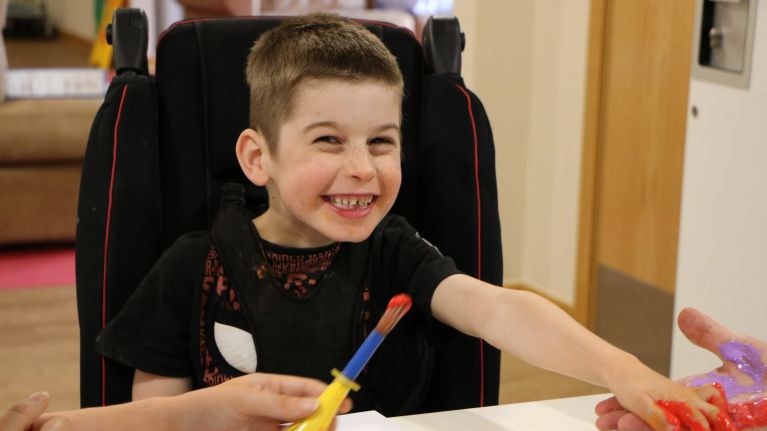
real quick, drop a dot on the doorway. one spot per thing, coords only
(635, 119)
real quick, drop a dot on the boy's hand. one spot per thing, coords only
(656, 401)
(613, 416)
(255, 401)
(705, 332)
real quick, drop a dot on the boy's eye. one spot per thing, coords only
(328, 139)
(381, 140)
(383, 145)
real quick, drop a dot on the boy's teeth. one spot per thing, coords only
(352, 203)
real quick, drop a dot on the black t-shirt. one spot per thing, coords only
(207, 281)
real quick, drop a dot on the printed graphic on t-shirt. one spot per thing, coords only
(298, 274)
(228, 333)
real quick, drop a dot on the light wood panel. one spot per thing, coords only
(645, 76)
(40, 346)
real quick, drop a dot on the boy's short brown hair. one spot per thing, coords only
(317, 46)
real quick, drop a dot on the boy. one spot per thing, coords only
(294, 289)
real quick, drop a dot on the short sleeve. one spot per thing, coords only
(152, 331)
(417, 267)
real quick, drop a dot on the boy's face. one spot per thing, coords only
(336, 171)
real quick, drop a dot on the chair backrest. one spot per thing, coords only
(161, 148)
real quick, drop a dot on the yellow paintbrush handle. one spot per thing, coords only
(330, 400)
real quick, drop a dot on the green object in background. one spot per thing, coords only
(98, 9)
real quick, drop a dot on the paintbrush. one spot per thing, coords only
(335, 393)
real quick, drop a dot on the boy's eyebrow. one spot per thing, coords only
(383, 127)
(333, 124)
(320, 124)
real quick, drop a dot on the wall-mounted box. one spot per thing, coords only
(723, 41)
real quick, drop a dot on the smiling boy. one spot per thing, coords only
(294, 289)
(336, 172)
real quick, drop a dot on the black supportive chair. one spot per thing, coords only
(161, 149)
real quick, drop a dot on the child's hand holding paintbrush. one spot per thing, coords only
(331, 399)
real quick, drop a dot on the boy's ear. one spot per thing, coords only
(253, 154)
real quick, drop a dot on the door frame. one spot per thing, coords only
(584, 308)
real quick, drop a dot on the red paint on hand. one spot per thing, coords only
(684, 413)
(672, 420)
(731, 417)
(723, 421)
(749, 414)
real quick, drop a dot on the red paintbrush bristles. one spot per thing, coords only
(398, 306)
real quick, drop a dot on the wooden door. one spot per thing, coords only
(639, 69)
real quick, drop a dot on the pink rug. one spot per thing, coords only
(37, 267)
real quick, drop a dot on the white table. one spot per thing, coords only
(572, 414)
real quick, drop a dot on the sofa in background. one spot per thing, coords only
(42, 142)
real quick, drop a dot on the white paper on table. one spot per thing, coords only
(571, 414)
(370, 420)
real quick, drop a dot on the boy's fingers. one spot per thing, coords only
(715, 410)
(346, 406)
(269, 405)
(288, 385)
(690, 417)
(281, 398)
(21, 415)
(672, 422)
(659, 418)
(719, 420)
(653, 415)
(713, 394)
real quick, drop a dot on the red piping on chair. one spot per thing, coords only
(106, 244)
(479, 235)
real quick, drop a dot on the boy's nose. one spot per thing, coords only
(360, 167)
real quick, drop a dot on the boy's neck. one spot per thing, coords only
(271, 227)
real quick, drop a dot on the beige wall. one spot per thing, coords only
(526, 59)
(73, 17)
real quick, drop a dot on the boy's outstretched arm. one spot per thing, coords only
(537, 331)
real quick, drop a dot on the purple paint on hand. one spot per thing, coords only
(746, 357)
(749, 362)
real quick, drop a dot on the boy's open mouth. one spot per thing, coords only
(350, 202)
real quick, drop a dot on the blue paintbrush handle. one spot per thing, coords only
(363, 354)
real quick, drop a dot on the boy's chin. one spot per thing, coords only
(356, 235)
